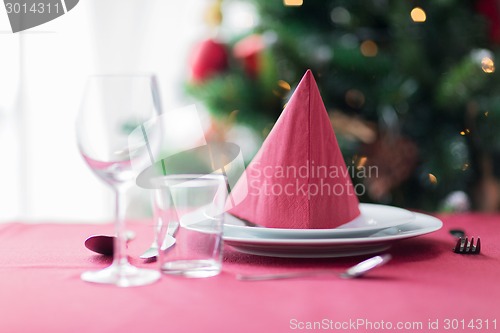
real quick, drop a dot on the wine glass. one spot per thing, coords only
(113, 106)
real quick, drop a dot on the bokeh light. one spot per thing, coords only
(293, 2)
(340, 15)
(284, 85)
(488, 65)
(369, 48)
(354, 98)
(418, 15)
(432, 179)
(361, 162)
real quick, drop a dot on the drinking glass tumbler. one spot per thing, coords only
(197, 203)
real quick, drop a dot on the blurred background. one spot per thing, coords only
(410, 87)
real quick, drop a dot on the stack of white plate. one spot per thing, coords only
(377, 228)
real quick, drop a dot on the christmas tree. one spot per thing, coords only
(410, 86)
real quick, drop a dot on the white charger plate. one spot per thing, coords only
(333, 247)
(372, 219)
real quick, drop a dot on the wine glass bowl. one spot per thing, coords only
(113, 109)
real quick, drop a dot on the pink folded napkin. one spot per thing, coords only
(299, 179)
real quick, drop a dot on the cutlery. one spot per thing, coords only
(463, 246)
(169, 241)
(104, 244)
(458, 233)
(353, 272)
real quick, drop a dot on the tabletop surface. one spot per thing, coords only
(426, 287)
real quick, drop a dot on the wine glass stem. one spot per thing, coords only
(120, 246)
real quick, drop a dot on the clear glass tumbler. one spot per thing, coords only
(196, 203)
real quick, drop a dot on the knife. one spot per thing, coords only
(168, 242)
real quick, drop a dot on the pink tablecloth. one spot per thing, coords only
(40, 289)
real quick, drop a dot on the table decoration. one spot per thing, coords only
(299, 156)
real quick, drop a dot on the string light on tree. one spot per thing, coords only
(369, 48)
(418, 15)
(295, 3)
(361, 162)
(488, 65)
(284, 85)
(282, 89)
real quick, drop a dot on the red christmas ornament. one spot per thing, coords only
(209, 58)
(249, 50)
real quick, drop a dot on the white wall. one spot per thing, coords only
(10, 180)
(42, 175)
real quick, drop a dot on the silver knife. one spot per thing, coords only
(168, 242)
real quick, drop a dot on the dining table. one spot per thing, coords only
(426, 287)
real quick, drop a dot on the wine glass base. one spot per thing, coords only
(124, 275)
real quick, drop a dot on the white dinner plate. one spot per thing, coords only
(373, 218)
(333, 247)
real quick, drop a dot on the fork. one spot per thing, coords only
(463, 246)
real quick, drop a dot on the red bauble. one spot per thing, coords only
(209, 58)
(248, 51)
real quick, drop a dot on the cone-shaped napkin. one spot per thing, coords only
(299, 179)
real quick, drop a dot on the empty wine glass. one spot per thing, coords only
(113, 106)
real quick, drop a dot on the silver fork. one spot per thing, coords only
(463, 246)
